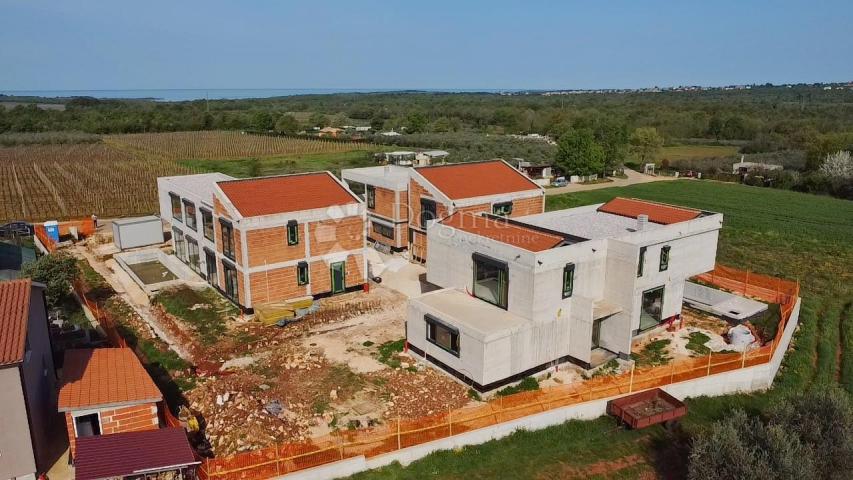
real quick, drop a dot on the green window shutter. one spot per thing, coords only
(292, 232)
(302, 273)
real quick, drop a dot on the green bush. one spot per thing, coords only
(527, 384)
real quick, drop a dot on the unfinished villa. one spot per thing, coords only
(518, 295)
(267, 240)
(402, 200)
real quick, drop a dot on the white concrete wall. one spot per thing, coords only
(750, 379)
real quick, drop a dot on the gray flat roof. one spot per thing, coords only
(133, 220)
(486, 321)
(393, 177)
(585, 222)
(202, 184)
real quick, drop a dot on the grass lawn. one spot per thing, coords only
(687, 152)
(254, 167)
(777, 232)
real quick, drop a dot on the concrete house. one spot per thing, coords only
(106, 391)
(27, 381)
(436, 192)
(269, 239)
(578, 285)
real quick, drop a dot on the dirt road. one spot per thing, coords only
(633, 178)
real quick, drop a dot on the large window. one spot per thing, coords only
(428, 211)
(371, 196)
(491, 280)
(641, 261)
(207, 224)
(177, 212)
(210, 264)
(302, 277)
(442, 335)
(503, 209)
(180, 244)
(189, 214)
(384, 230)
(568, 280)
(652, 308)
(193, 254)
(292, 232)
(230, 281)
(664, 258)
(227, 238)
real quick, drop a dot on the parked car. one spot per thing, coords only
(560, 182)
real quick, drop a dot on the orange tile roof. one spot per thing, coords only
(253, 197)
(657, 212)
(104, 377)
(504, 232)
(14, 316)
(476, 179)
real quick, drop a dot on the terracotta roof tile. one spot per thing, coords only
(504, 232)
(126, 454)
(253, 197)
(657, 212)
(104, 377)
(476, 179)
(14, 316)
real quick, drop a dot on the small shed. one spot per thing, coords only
(137, 232)
(146, 455)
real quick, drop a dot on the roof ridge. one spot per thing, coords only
(296, 174)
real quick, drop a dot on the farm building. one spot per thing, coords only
(742, 167)
(519, 295)
(27, 381)
(436, 192)
(137, 232)
(270, 239)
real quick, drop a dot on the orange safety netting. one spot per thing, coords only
(398, 434)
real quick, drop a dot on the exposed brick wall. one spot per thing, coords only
(269, 245)
(330, 236)
(404, 205)
(119, 420)
(355, 274)
(400, 239)
(416, 191)
(528, 206)
(238, 247)
(385, 200)
(276, 285)
(219, 208)
(473, 209)
(321, 281)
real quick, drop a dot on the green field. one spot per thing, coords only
(255, 167)
(689, 152)
(794, 235)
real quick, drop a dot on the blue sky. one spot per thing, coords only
(210, 44)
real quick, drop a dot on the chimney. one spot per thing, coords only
(642, 220)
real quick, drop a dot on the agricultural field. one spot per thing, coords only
(776, 232)
(676, 153)
(225, 145)
(52, 182)
(65, 176)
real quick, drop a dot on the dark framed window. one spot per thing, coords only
(491, 280)
(177, 211)
(428, 211)
(370, 194)
(568, 280)
(503, 209)
(384, 230)
(180, 244)
(302, 277)
(231, 284)
(292, 232)
(193, 255)
(227, 238)
(189, 214)
(207, 224)
(210, 264)
(442, 335)
(641, 261)
(664, 258)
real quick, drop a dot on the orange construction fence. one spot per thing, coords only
(401, 433)
(84, 228)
